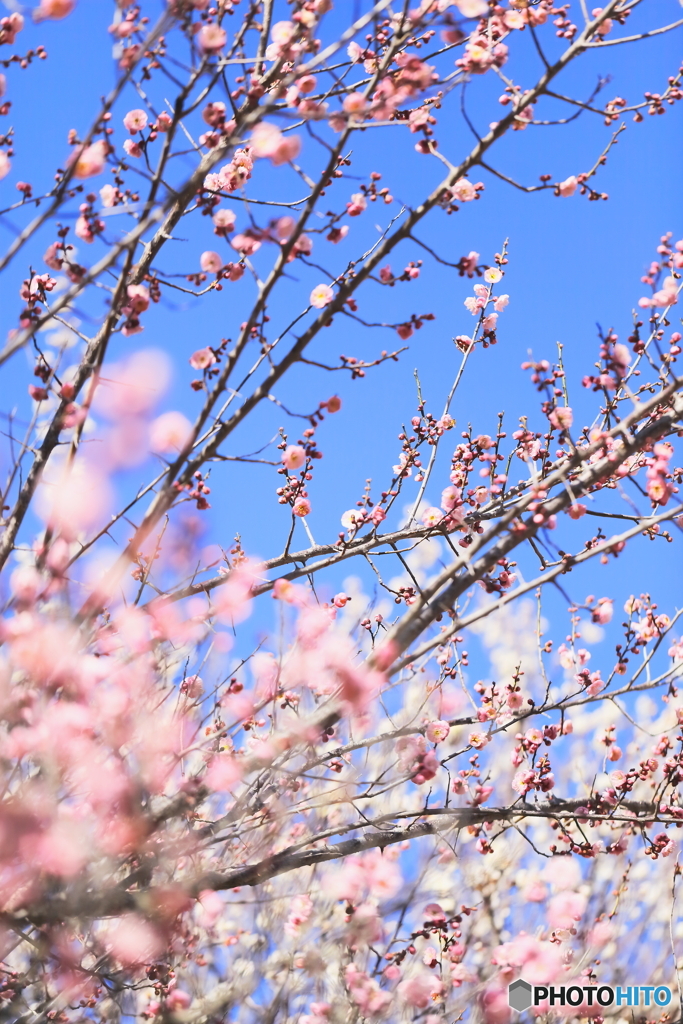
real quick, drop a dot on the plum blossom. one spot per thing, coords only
(561, 417)
(211, 38)
(471, 8)
(352, 519)
(464, 191)
(131, 940)
(247, 242)
(210, 262)
(355, 103)
(357, 204)
(54, 9)
(301, 909)
(108, 195)
(89, 160)
(282, 35)
(568, 186)
(419, 990)
(293, 456)
(268, 141)
(431, 517)
(170, 432)
(321, 296)
(438, 731)
(565, 909)
(224, 221)
(539, 961)
(132, 148)
(202, 359)
(135, 121)
(603, 611)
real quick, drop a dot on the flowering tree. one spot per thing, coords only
(323, 817)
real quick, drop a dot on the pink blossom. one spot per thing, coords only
(210, 262)
(606, 26)
(89, 160)
(472, 8)
(26, 583)
(301, 909)
(281, 34)
(131, 940)
(357, 204)
(603, 611)
(500, 303)
(596, 684)
(450, 498)
(177, 999)
(536, 892)
(337, 235)
(568, 186)
(431, 517)
(268, 141)
(55, 9)
(245, 243)
(138, 298)
(576, 510)
(561, 417)
(301, 507)
(464, 191)
(224, 221)
(192, 687)
(540, 962)
(565, 909)
(668, 295)
(83, 230)
(135, 121)
(211, 38)
(294, 456)
(224, 773)
(601, 933)
(5, 165)
(365, 992)
(354, 103)
(211, 904)
(437, 731)
(170, 432)
(108, 195)
(352, 519)
(202, 359)
(132, 148)
(321, 296)
(418, 990)
(495, 1006)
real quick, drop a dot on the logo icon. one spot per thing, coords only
(519, 995)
